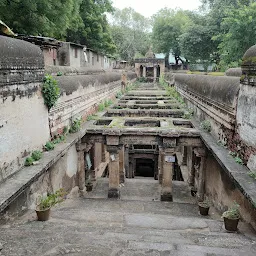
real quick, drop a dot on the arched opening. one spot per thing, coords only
(158, 71)
(144, 167)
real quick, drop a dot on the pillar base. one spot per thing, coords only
(166, 197)
(113, 193)
(160, 178)
(121, 178)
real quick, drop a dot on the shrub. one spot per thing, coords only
(50, 91)
(51, 199)
(49, 146)
(206, 125)
(36, 155)
(76, 125)
(101, 106)
(232, 212)
(29, 161)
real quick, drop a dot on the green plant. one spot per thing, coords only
(204, 204)
(49, 146)
(91, 117)
(59, 73)
(239, 160)
(232, 212)
(36, 155)
(65, 130)
(50, 91)
(51, 199)
(119, 95)
(76, 125)
(29, 161)
(206, 125)
(101, 106)
(142, 79)
(252, 174)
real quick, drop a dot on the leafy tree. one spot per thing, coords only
(168, 26)
(238, 32)
(130, 31)
(197, 45)
(41, 17)
(94, 30)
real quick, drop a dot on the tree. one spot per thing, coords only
(168, 26)
(197, 45)
(41, 17)
(130, 32)
(94, 30)
(238, 32)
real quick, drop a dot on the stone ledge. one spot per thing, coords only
(238, 173)
(13, 187)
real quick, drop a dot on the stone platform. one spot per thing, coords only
(96, 227)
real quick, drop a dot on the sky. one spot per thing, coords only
(149, 7)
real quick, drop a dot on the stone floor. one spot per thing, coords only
(137, 224)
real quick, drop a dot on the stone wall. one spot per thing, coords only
(23, 116)
(81, 95)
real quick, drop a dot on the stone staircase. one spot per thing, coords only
(137, 224)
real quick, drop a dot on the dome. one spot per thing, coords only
(19, 54)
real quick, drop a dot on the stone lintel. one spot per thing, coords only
(112, 140)
(113, 149)
(188, 141)
(83, 147)
(169, 143)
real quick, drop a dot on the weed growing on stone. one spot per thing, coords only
(91, 117)
(29, 161)
(252, 174)
(101, 106)
(49, 146)
(119, 95)
(76, 125)
(206, 125)
(236, 157)
(36, 155)
(50, 91)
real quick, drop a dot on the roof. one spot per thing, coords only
(40, 40)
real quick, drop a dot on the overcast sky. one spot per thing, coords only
(149, 7)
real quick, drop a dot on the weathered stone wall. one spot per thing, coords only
(211, 98)
(223, 191)
(81, 95)
(23, 116)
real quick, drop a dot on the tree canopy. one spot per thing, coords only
(130, 32)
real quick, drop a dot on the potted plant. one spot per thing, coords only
(193, 191)
(89, 185)
(43, 208)
(204, 207)
(231, 217)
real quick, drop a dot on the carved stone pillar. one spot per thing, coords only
(160, 165)
(168, 168)
(81, 148)
(144, 74)
(121, 164)
(114, 175)
(126, 160)
(184, 155)
(155, 73)
(200, 152)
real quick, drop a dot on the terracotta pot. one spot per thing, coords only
(43, 215)
(203, 210)
(89, 187)
(231, 224)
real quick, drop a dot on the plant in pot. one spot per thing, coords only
(43, 208)
(204, 207)
(231, 217)
(89, 185)
(193, 191)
